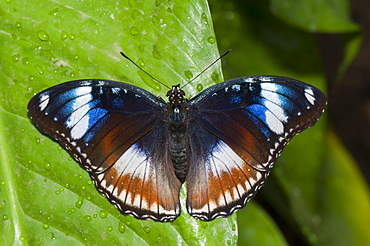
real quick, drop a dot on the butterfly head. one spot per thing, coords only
(176, 96)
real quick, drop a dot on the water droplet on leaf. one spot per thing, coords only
(39, 69)
(42, 35)
(79, 202)
(47, 165)
(188, 74)
(199, 87)
(141, 63)
(158, 239)
(87, 217)
(211, 40)
(149, 81)
(15, 58)
(134, 31)
(121, 227)
(155, 53)
(54, 11)
(103, 214)
(135, 13)
(25, 60)
(64, 35)
(141, 48)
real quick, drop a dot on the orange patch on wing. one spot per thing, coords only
(131, 186)
(225, 188)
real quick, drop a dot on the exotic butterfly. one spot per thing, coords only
(139, 150)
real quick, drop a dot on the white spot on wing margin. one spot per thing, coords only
(308, 93)
(44, 101)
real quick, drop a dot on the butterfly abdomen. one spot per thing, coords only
(179, 157)
(178, 144)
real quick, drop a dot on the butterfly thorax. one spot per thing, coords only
(177, 129)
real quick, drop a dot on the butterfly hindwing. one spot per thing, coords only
(237, 130)
(142, 182)
(102, 122)
(219, 181)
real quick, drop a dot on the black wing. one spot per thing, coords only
(113, 129)
(237, 130)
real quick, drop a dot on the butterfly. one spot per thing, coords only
(140, 149)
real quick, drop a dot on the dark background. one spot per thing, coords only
(349, 97)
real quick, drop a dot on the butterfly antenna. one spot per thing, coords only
(194, 78)
(128, 58)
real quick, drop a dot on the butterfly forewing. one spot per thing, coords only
(237, 130)
(102, 124)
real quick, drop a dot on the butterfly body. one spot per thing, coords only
(139, 149)
(177, 128)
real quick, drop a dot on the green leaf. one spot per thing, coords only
(344, 203)
(352, 43)
(256, 227)
(331, 16)
(45, 197)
